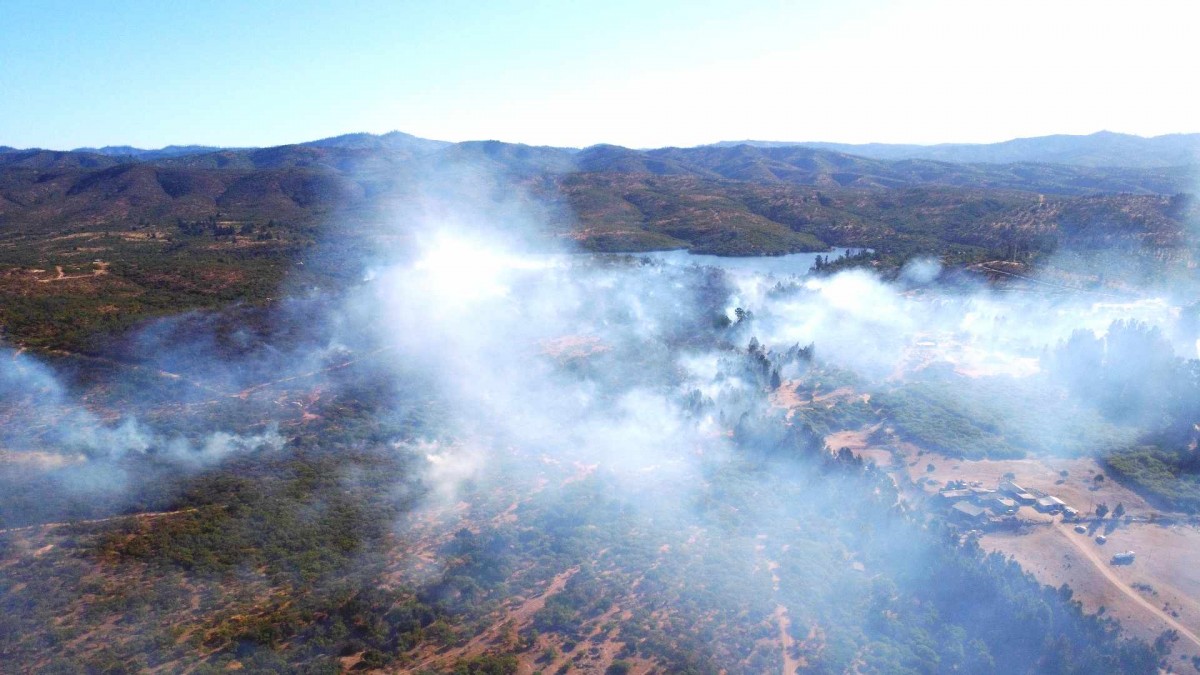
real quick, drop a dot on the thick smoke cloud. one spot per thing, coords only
(595, 358)
(56, 453)
(43, 416)
(543, 348)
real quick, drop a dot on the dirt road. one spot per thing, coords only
(1103, 567)
(92, 521)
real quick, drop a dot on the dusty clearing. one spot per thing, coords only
(503, 630)
(968, 360)
(791, 664)
(99, 269)
(785, 396)
(860, 444)
(1078, 489)
(1159, 591)
(571, 347)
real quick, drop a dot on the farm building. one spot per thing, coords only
(1011, 488)
(1049, 505)
(955, 495)
(1023, 498)
(968, 514)
(1000, 504)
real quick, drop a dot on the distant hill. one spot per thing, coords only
(45, 185)
(623, 212)
(1101, 149)
(55, 159)
(810, 166)
(1099, 163)
(729, 199)
(394, 141)
(509, 158)
(200, 227)
(149, 155)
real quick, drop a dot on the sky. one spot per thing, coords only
(634, 73)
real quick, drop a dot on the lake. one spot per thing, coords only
(797, 264)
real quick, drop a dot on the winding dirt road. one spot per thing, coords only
(1103, 567)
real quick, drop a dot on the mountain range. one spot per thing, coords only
(734, 199)
(194, 226)
(1101, 163)
(1101, 149)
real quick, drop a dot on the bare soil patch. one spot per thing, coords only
(571, 347)
(517, 614)
(785, 396)
(1158, 592)
(859, 442)
(791, 662)
(99, 269)
(1078, 488)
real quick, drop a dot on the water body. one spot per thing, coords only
(797, 264)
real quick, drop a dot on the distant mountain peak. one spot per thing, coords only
(392, 141)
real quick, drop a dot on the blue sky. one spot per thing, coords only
(576, 73)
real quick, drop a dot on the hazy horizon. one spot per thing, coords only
(186, 144)
(666, 74)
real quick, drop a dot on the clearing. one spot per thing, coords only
(1157, 592)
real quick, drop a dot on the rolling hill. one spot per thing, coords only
(195, 229)
(1101, 149)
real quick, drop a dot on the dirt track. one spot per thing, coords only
(791, 665)
(1103, 567)
(131, 516)
(101, 269)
